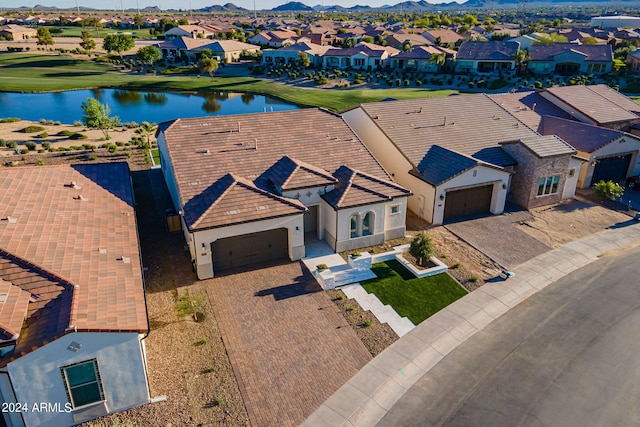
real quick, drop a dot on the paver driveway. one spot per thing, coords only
(290, 347)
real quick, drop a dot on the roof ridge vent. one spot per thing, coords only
(10, 219)
(73, 185)
(80, 197)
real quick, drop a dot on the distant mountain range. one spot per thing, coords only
(405, 6)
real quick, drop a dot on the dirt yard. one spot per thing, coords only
(569, 221)
(11, 132)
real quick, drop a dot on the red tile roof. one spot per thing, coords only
(292, 174)
(64, 235)
(13, 309)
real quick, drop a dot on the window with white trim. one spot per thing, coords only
(395, 209)
(83, 384)
(548, 185)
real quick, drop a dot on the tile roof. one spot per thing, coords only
(235, 200)
(228, 46)
(445, 35)
(13, 310)
(547, 146)
(292, 174)
(592, 103)
(424, 52)
(356, 188)
(186, 43)
(616, 97)
(440, 165)
(89, 241)
(591, 52)
(581, 136)
(367, 49)
(248, 145)
(472, 125)
(488, 51)
(528, 107)
(310, 48)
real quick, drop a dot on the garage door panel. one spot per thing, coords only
(247, 249)
(469, 201)
(611, 168)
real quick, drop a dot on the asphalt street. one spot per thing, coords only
(567, 356)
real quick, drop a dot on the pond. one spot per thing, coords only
(135, 106)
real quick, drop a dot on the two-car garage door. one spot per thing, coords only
(611, 168)
(252, 248)
(468, 201)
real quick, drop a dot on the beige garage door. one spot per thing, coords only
(252, 248)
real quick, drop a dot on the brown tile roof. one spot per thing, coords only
(581, 136)
(468, 124)
(616, 97)
(547, 146)
(356, 188)
(594, 104)
(13, 309)
(528, 107)
(49, 311)
(247, 145)
(234, 200)
(89, 241)
(446, 35)
(292, 174)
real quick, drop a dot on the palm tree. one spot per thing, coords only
(146, 130)
(438, 59)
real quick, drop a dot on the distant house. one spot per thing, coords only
(252, 188)
(228, 50)
(570, 58)
(189, 49)
(361, 56)
(398, 40)
(633, 61)
(290, 54)
(443, 37)
(275, 38)
(421, 58)
(17, 32)
(182, 48)
(460, 156)
(191, 31)
(615, 21)
(72, 304)
(485, 57)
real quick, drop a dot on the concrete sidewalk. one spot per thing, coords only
(365, 399)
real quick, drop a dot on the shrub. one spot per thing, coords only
(46, 145)
(12, 144)
(367, 323)
(321, 267)
(31, 129)
(40, 162)
(9, 120)
(77, 123)
(42, 135)
(609, 190)
(473, 279)
(456, 265)
(3, 143)
(112, 148)
(65, 132)
(322, 81)
(537, 85)
(31, 146)
(76, 136)
(93, 157)
(497, 84)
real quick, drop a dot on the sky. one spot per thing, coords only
(185, 4)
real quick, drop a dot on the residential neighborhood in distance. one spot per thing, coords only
(248, 265)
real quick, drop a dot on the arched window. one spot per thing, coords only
(367, 224)
(353, 226)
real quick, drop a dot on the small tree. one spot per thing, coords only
(87, 43)
(609, 190)
(149, 55)
(303, 59)
(44, 37)
(146, 130)
(208, 65)
(118, 43)
(98, 116)
(421, 248)
(137, 20)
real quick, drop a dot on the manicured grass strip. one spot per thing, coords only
(155, 154)
(410, 296)
(42, 73)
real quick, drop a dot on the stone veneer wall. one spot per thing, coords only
(524, 183)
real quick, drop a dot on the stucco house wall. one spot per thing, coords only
(36, 377)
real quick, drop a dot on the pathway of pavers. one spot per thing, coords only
(367, 396)
(289, 345)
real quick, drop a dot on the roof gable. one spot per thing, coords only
(581, 136)
(493, 50)
(234, 200)
(292, 174)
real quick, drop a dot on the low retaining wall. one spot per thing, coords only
(396, 254)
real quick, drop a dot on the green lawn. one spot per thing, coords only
(100, 32)
(410, 296)
(43, 73)
(155, 154)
